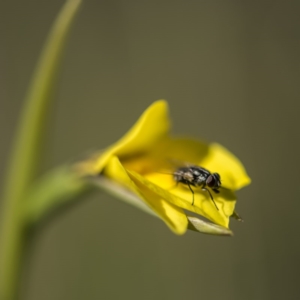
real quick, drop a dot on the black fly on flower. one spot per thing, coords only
(198, 177)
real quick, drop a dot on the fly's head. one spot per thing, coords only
(214, 181)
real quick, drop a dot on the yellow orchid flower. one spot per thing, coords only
(145, 159)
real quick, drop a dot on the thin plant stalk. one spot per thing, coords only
(26, 153)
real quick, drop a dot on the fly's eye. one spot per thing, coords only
(211, 181)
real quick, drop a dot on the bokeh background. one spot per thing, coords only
(230, 71)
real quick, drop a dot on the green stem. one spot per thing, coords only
(27, 149)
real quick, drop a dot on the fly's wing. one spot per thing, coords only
(172, 167)
(178, 168)
(176, 163)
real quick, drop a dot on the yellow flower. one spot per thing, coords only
(144, 160)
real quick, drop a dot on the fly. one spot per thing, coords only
(198, 177)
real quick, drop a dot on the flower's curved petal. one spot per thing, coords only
(152, 126)
(180, 151)
(202, 226)
(173, 216)
(220, 160)
(182, 197)
(214, 157)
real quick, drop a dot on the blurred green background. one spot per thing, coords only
(230, 71)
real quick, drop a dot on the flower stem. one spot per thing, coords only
(27, 151)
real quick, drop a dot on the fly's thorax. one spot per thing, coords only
(199, 175)
(199, 179)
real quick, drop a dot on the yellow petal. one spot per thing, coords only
(173, 216)
(152, 126)
(182, 197)
(177, 152)
(220, 160)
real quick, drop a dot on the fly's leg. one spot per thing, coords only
(192, 192)
(211, 197)
(207, 190)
